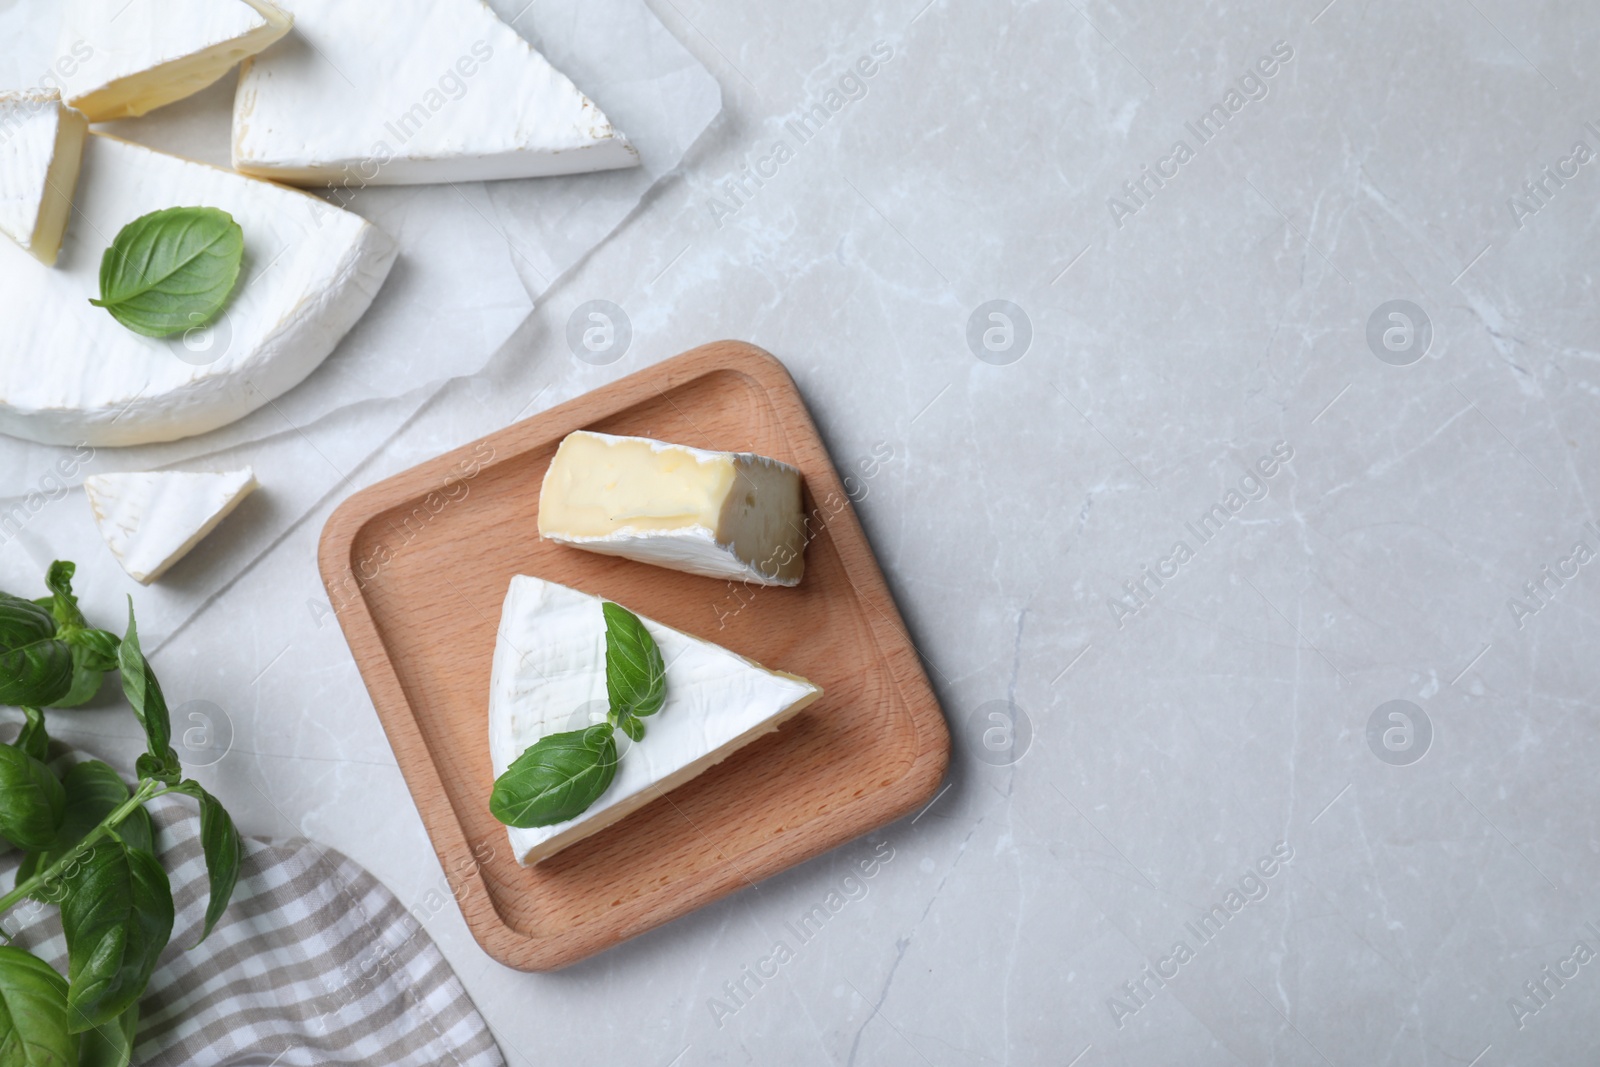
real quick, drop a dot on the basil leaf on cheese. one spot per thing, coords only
(557, 778)
(635, 675)
(172, 270)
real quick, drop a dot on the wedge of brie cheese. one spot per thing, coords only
(150, 520)
(128, 57)
(71, 374)
(549, 676)
(41, 146)
(413, 91)
(733, 515)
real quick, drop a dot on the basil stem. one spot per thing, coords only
(148, 790)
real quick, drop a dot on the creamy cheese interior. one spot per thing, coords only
(729, 514)
(72, 374)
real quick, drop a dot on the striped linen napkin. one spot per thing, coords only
(314, 963)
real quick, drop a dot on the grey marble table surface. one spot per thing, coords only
(1227, 378)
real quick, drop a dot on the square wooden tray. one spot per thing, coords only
(418, 567)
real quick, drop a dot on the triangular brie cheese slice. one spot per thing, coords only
(413, 91)
(72, 374)
(41, 150)
(150, 520)
(549, 676)
(126, 57)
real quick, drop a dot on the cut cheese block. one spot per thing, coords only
(41, 146)
(71, 374)
(733, 515)
(549, 676)
(150, 520)
(127, 57)
(407, 91)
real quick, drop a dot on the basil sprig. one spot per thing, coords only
(171, 271)
(89, 841)
(49, 654)
(561, 775)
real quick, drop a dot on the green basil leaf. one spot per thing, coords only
(32, 801)
(164, 769)
(62, 604)
(171, 270)
(117, 916)
(136, 831)
(221, 844)
(556, 779)
(144, 694)
(635, 675)
(86, 678)
(633, 728)
(93, 651)
(110, 1045)
(33, 740)
(35, 668)
(33, 1013)
(99, 647)
(94, 790)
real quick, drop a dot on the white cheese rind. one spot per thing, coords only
(412, 91)
(151, 519)
(749, 527)
(549, 676)
(41, 148)
(121, 58)
(310, 272)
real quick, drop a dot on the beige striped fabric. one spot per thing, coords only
(314, 963)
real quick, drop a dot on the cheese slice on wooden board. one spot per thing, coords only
(127, 57)
(733, 515)
(41, 147)
(549, 676)
(151, 519)
(71, 374)
(413, 91)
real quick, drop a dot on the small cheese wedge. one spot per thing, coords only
(733, 515)
(127, 57)
(151, 519)
(41, 148)
(398, 92)
(71, 374)
(549, 676)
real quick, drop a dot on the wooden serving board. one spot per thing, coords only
(418, 567)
